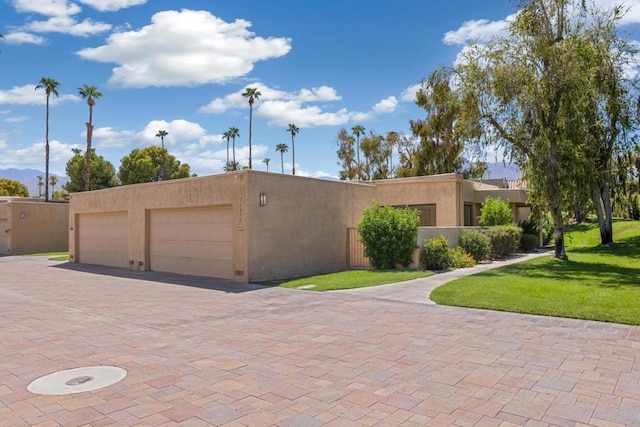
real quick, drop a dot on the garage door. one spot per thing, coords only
(196, 241)
(103, 239)
(4, 237)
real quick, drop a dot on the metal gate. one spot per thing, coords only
(355, 250)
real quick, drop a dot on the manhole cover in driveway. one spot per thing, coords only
(77, 380)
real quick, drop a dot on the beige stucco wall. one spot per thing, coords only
(137, 200)
(445, 191)
(303, 228)
(35, 227)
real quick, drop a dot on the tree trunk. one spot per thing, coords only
(602, 202)
(293, 154)
(250, 123)
(87, 157)
(556, 212)
(46, 149)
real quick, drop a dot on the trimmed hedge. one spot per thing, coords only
(437, 255)
(475, 244)
(528, 242)
(505, 239)
(461, 259)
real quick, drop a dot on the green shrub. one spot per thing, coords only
(528, 242)
(389, 235)
(504, 239)
(437, 255)
(462, 259)
(495, 211)
(548, 228)
(475, 244)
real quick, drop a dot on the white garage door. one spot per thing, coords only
(196, 241)
(4, 237)
(103, 239)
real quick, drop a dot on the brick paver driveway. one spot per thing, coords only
(204, 352)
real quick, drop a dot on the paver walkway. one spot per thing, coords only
(201, 352)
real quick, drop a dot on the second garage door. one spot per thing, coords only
(196, 241)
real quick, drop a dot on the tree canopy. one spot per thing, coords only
(148, 165)
(103, 174)
(9, 187)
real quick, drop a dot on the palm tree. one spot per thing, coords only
(231, 166)
(266, 161)
(227, 135)
(357, 131)
(293, 130)
(40, 184)
(54, 181)
(90, 93)
(252, 94)
(233, 133)
(161, 134)
(282, 148)
(50, 86)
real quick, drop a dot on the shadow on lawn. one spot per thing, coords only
(592, 273)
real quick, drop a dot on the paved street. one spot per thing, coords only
(202, 352)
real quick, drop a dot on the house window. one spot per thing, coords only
(427, 214)
(468, 214)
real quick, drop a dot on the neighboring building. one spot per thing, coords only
(250, 225)
(30, 226)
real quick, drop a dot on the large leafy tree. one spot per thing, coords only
(282, 148)
(9, 187)
(252, 94)
(90, 93)
(147, 165)
(50, 87)
(358, 130)
(376, 153)
(103, 174)
(293, 130)
(346, 155)
(442, 134)
(543, 94)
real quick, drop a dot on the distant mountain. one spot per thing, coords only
(29, 177)
(502, 170)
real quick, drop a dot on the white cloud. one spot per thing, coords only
(178, 131)
(21, 37)
(27, 95)
(409, 94)
(183, 48)
(34, 155)
(112, 5)
(281, 108)
(477, 31)
(47, 7)
(61, 18)
(15, 119)
(109, 137)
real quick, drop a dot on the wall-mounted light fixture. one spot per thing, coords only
(22, 215)
(263, 199)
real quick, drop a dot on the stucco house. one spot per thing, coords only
(30, 226)
(250, 225)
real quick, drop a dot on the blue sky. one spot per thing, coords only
(181, 66)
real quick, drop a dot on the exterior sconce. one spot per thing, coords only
(22, 215)
(263, 199)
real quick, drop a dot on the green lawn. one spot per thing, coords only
(53, 256)
(350, 279)
(598, 283)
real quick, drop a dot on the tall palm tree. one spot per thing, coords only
(357, 131)
(293, 130)
(161, 134)
(233, 133)
(282, 148)
(50, 86)
(54, 181)
(252, 94)
(227, 135)
(266, 161)
(40, 184)
(90, 93)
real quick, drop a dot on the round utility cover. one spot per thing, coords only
(77, 380)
